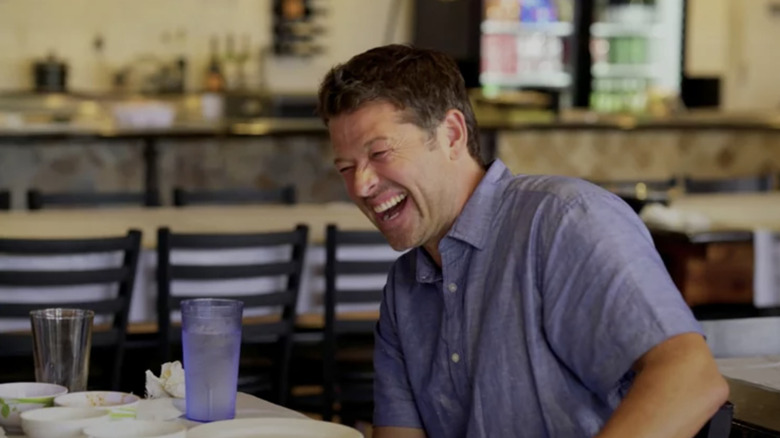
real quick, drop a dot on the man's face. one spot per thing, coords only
(395, 173)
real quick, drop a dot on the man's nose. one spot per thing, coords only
(365, 181)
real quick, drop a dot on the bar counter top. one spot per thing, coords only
(490, 120)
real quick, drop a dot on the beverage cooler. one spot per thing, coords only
(612, 56)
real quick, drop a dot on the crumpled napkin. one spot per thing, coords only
(169, 384)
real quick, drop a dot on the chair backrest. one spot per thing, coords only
(759, 183)
(276, 261)
(281, 195)
(352, 258)
(22, 285)
(5, 200)
(340, 268)
(37, 200)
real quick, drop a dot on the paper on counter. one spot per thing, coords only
(661, 216)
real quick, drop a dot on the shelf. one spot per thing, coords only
(557, 28)
(604, 70)
(606, 30)
(527, 80)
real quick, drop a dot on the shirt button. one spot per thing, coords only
(452, 287)
(455, 357)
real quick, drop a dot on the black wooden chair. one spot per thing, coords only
(759, 183)
(37, 200)
(270, 339)
(5, 200)
(117, 308)
(281, 195)
(348, 373)
(719, 425)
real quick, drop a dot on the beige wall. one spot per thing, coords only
(737, 39)
(707, 42)
(132, 28)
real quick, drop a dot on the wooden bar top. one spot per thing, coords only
(80, 223)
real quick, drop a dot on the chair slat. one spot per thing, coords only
(367, 267)
(758, 183)
(37, 200)
(63, 278)
(227, 272)
(64, 246)
(22, 310)
(359, 296)
(233, 241)
(281, 195)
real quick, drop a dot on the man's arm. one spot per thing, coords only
(677, 389)
(397, 432)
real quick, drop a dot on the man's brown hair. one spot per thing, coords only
(424, 84)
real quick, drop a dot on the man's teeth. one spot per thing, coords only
(390, 203)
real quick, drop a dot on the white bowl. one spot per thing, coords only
(138, 429)
(120, 405)
(16, 398)
(61, 422)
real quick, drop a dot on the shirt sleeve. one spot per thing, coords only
(607, 297)
(394, 403)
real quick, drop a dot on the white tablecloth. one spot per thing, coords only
(247, 406)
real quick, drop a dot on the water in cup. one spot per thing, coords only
(211, 340)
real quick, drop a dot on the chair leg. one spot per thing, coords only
(283, 388)
(116, 372)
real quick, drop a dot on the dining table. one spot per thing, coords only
(754, 384)
(169, 409)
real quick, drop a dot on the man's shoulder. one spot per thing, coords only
(551, 189)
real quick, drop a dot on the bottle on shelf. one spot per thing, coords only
(215, 81)
(230, 67)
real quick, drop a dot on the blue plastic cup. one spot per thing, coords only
(211, 340)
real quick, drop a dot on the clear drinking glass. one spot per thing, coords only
(62, 339)
(211, 340)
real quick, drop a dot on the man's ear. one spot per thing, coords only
(456, 132)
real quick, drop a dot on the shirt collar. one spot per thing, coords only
(472, 225)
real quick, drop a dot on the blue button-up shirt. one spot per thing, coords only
(550, 289)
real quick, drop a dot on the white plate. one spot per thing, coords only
(272, 428)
